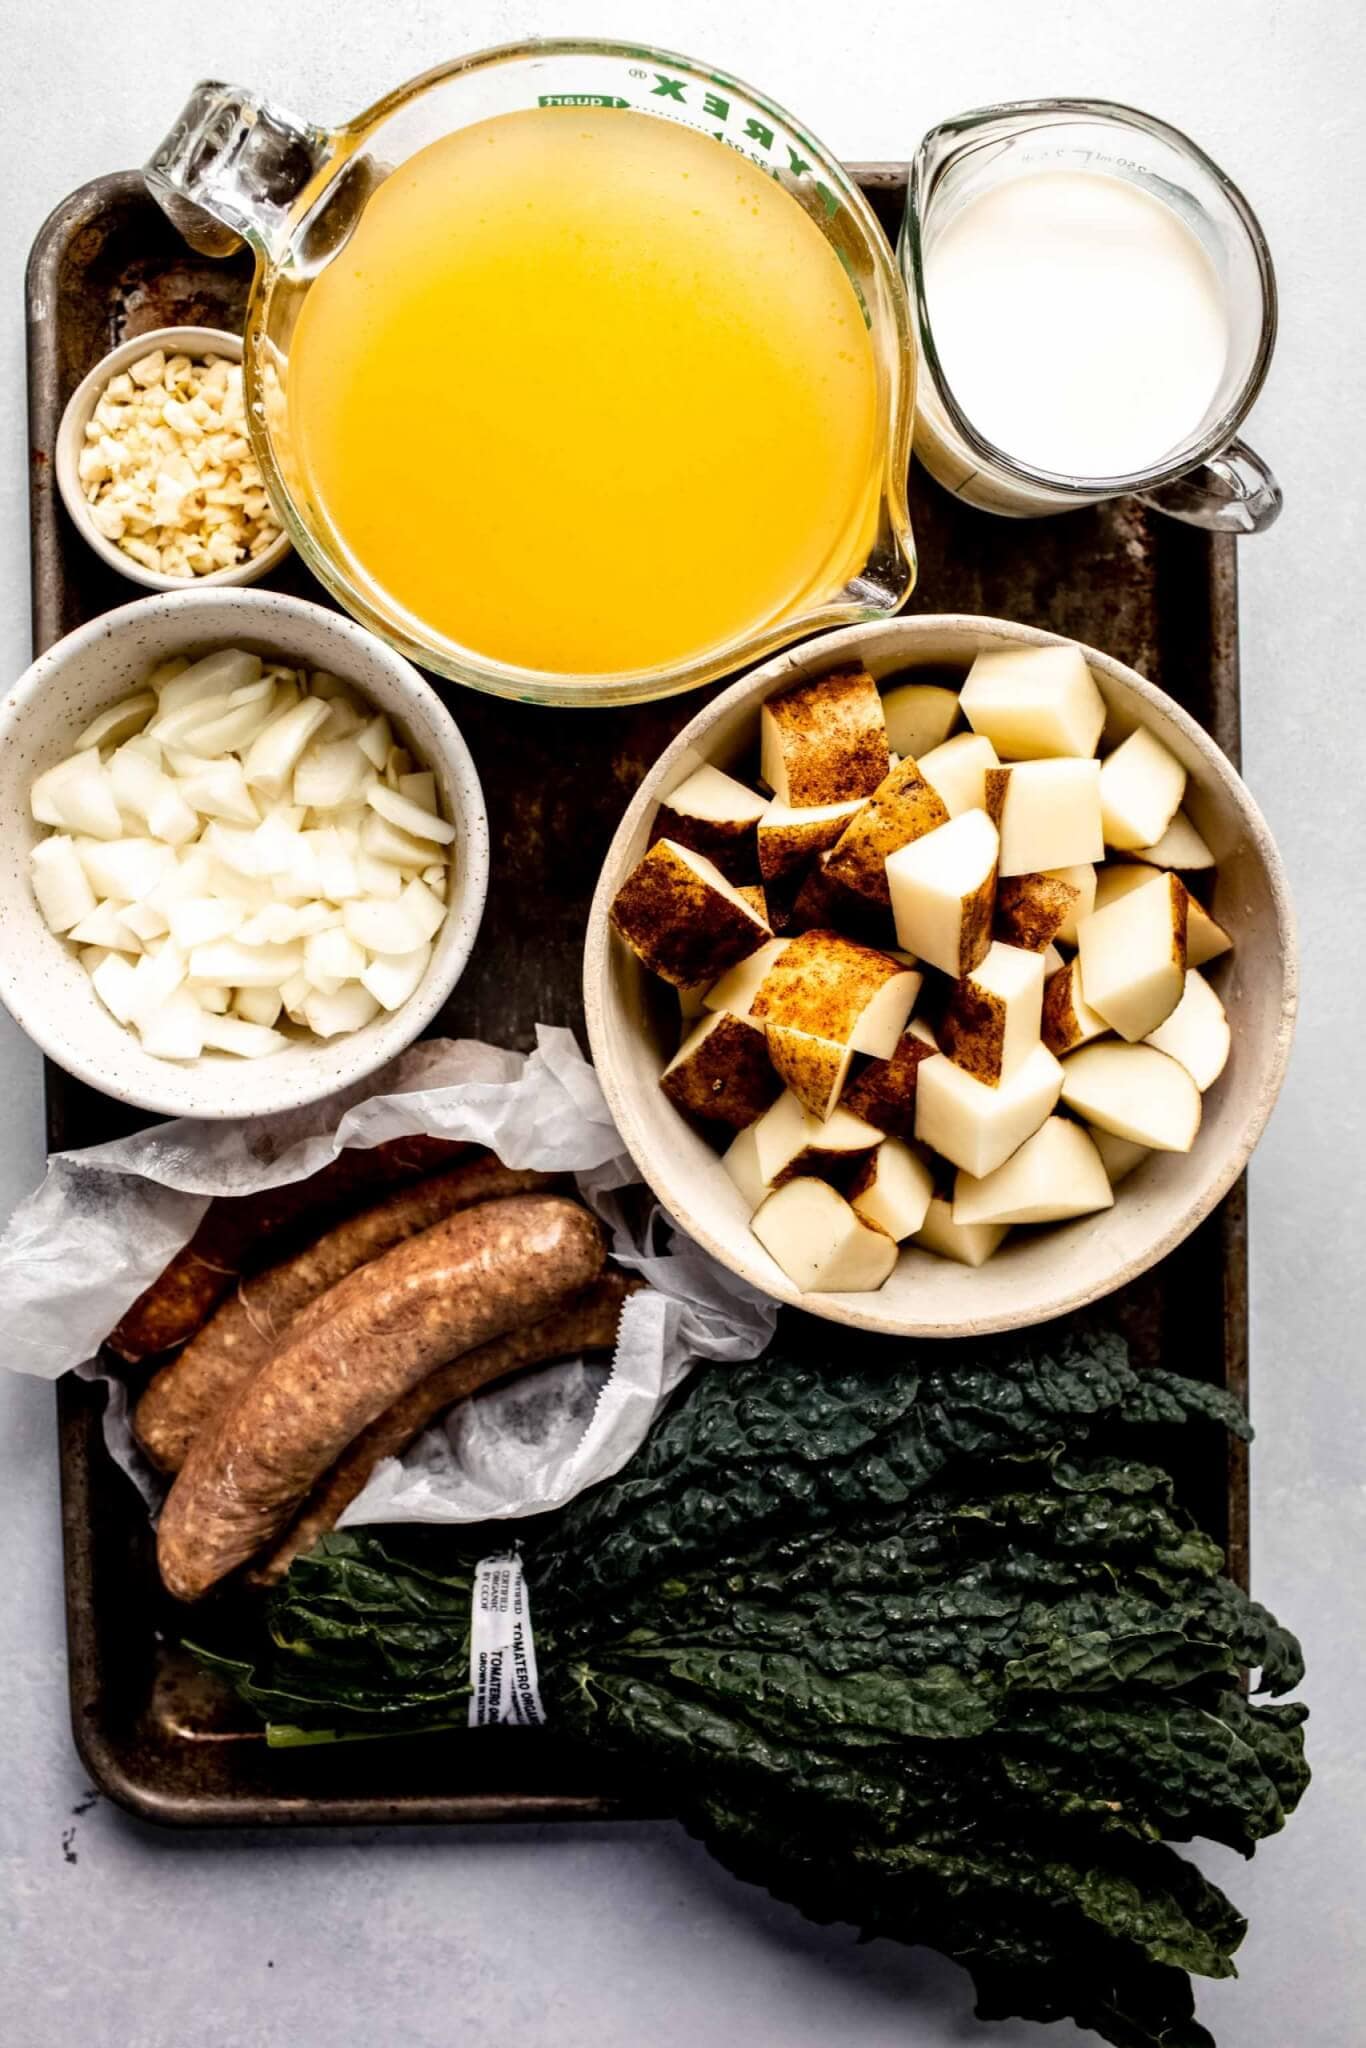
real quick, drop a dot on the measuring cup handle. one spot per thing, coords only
(1234, 492)
(230, 168)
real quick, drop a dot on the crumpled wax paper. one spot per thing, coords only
(106, 1220)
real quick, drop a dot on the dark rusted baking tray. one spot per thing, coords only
(1161, 596)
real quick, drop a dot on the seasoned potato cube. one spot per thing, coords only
(821, 1242)
(970, 1244)
(789, 836)
(991, 1021)
(833, 988)
(883, 1094)
(1141, 785)
(1134, 1092)
(714, 814)
(682, 918)
(1068, 1019)
(943, 887)
(1133, 957)
(722, 1071)
(919, 716)
(739, 985)
(1048, 814)
(824, 742)
(1035, 703)
(815, 1069)
(1031, 910)
(788, 1140)
(901, 809)
(1055, 1175)
(977, 1127)
(892, 1188)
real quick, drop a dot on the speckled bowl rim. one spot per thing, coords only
(190, 341)
(357, 1054)
(825, 653)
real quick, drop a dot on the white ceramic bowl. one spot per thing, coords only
(42, 983)
(1036, 1274)
(188, 341)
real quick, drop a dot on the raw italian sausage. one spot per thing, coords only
(465, 1281)
(586, 1324)
(240, 1232)
(187, 1395)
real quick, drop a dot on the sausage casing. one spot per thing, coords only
(465, 1281)
(197, 1385)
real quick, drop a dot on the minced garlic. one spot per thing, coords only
(168, 469)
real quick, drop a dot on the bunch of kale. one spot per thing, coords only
(920, 1642)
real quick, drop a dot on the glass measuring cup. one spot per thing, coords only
(1211, 478)
(234, 169)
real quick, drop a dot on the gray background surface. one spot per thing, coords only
(117, 1936)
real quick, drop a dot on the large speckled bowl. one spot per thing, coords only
(1037, 1274)
(43, 984)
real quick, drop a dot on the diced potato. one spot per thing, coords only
(1035, 703)
(60, 884)
(903, 808)
(1031, 910)
(815, 1069)
(825, 741)
(820, 1241)
(919, 716)
(833, 988)
(942, 888)
(1081, 877)
(739, 985)
(1134, 1092)
(1057, 1174)
(722, 1071)
(957, 770)
(1119, 1156)
(1205, 939)
(716, 815)
(1179, 847)
(1068, 1019)
(682, 918)
(1047, 813)
(883, 1092)
(788, 835)
(977, 1127)
(788, 1140)
(991, 1022)
(892, 1188)
(1141, 785)
(1132, 956)
(970, 1244)
(1197, 1032)
(823, 903)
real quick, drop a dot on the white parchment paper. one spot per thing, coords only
(105, 1221)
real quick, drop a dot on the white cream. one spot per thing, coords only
(1079, 322)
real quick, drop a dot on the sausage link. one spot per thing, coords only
(237, 1233)
(587, 1324)
(465, 1281)
(187, 1395)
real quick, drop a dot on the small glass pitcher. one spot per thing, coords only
(1212, 479)
(234, 169)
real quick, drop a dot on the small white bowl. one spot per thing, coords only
(1037, 1274)
(43, 984)
(186, 341)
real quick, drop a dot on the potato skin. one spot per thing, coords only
(683, 930)
(822, 983)
(883, 1093)
(588, 1323)
(902, 808)
(729, 1079)
(193, 1389)
(360, 1348)
(834, 738)
(1032, 909)
(238, 1233)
